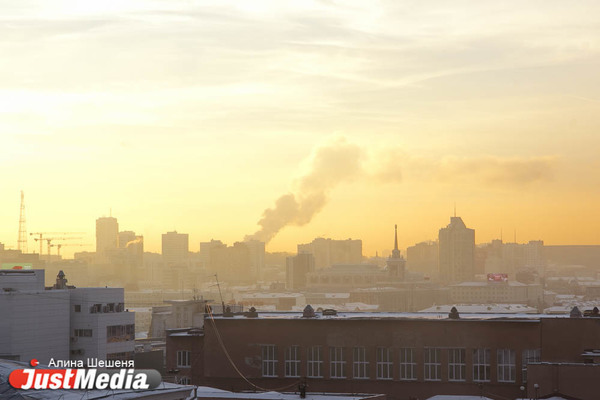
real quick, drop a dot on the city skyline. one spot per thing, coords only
(199, 116)
(383, 251)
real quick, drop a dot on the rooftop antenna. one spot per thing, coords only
(220, 294)
(515, 235)
(22, 241)
(500, 234)
(454, 209)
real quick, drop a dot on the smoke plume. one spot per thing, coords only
(339, 161)
(330, 165)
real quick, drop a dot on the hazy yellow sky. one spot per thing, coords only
(199, 115)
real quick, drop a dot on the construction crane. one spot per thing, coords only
(49, 241)
(41, 237)
(61, 245)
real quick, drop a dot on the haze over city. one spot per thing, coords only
(198, 116)
(319, 200)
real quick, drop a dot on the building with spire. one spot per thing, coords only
(396, 263)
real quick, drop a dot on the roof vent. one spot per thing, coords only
(252, 313)
(575, 313)
(228, 312)
(453, 314)
(329, 311)
(308, 312)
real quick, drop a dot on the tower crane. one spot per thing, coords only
(61, 245)
(43, 236)
(49, 241)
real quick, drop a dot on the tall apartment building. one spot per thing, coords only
(424, 257)
(205, 251)
(510, 258)
(256, 252)
(243, 262)
(175, 248)
(457, 251)
(328, 252)
(297, 270)
(107, 238)
(131, 248)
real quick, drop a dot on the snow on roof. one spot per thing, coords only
(337, 295)
(488, 284)
(400, 316)
(340, 307)
(379, 289)
(212, 393)
(141, 335)
(140, 309)
(459, 397)
(262, 295)
(483, 308)
(550, 398)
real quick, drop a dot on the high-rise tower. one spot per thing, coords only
(457, 251)
(175, 248)
(107, 238)
(22, 241)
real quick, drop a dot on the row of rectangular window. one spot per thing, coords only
(481, 365)
(99, 308)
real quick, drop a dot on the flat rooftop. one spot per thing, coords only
(213, 393)
(397, 316)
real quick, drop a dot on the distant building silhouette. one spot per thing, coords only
(256, 252)
(242, 263)
(107, 238)
(510, 258)
(126, 237)
(205, 252)
(396, 263)
(175, 248)
(423, 257)
(297, 270)
(328, 252)
(457, 251)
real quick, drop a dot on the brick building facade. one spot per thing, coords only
(403, 355)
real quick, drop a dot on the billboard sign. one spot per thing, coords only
(16, 266)
(497, 277)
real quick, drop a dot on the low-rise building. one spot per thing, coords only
(402, 355)
(497, 292)
(346, 276)
(62, 321)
